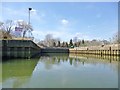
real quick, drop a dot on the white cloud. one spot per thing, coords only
(33, 10)
(63, 35)
(10, 13)
(56, 34)
(64, 21)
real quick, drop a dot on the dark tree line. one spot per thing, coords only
(69, 44)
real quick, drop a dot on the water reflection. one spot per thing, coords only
(17, 71)
(75, 60)
(61, 70)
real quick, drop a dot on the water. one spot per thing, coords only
(60, 71)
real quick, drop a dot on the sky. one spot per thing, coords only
(66, 20)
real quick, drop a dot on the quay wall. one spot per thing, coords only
(98, 50)
(54, 50)
(19, 48)
(28, 49)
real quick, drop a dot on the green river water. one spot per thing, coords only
(60, 71)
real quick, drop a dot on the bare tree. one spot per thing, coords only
(7, 26)
(116, 38)
(1, 25)
(75, 39)
(78, 43)
(48, 40)
(6, 29)
(26, 27)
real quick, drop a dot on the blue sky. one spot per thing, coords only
(86, 20)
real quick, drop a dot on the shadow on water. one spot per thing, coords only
(18, 70)
(34, 56)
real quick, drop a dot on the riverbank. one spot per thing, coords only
(112, 50)
(29, 49)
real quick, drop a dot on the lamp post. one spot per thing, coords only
(29, 15)
(29, 9)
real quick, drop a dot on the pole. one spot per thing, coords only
(29, 15)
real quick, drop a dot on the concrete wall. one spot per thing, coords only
(28, 49)
(19, 49)
(54, 50)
